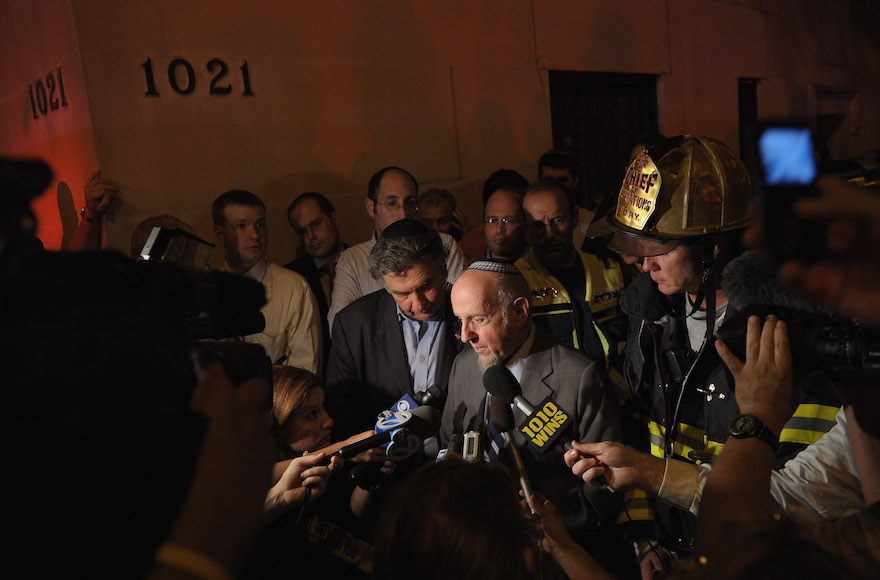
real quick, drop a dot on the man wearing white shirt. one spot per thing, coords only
(292, 335)
(392, 195)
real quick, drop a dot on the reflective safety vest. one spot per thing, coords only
(552, 305)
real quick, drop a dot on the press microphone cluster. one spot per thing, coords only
(543, 425)
(403, 431)
(453, 449)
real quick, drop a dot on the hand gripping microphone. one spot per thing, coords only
(543, 425)
(403, 431)
(502, 416)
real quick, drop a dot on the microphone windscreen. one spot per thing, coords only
(499, 381)
(456, 444)
(501, 414)
(426, 421)
(753, 278)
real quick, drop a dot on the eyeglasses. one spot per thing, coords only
(408, 204)
(506, 221)
(555, 223)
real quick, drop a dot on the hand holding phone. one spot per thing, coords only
(783, 166)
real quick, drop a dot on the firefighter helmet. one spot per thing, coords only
(684, 188)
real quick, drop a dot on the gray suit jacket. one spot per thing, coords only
(578, 385)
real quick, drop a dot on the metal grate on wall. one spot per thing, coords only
(596, 116)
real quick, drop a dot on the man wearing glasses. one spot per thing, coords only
(505, 231)
(392, 195)
(575, 295)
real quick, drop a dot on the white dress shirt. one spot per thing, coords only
(353, 278)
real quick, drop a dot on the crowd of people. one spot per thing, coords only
(671, 403)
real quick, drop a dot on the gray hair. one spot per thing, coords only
(509, 287)
(395, 255)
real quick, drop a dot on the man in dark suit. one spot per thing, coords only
(314, 220)
(397, 341)
(492, 300)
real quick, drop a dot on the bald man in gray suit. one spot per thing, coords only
(492, 301)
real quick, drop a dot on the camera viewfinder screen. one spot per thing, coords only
(787, 156)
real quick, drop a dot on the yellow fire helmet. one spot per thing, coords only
(686, 187)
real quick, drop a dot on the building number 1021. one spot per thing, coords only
(47, 95)
(182, 78)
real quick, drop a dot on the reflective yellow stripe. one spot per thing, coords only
(803, 436)
(809, 422)
(657, 451)
(640, 514)
(690, 440)
(679, 447)
(605, 346)
(638, 505)
(815, 411)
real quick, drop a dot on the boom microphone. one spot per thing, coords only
(405, 427)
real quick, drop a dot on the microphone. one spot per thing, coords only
(753, 278)
(453, 449)
(404, 430)
(543, 425)
(502, 416)
(472, 446)
(432, 396)
(501, 383)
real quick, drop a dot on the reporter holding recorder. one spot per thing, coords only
(302, 436)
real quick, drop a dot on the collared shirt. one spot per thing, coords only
(423, 349)
(293, 328)
(353, 278)
(517, 362)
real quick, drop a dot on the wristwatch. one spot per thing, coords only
(747, 425)
(91, 220)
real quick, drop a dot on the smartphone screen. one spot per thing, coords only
(787, 156)
(784, 171)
